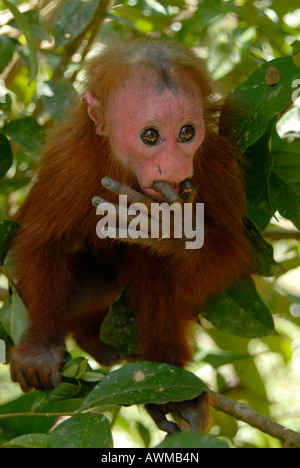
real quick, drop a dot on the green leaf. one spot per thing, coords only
(192, 440)
(259, 102)
(144, 433)
(62, 391)
(28, 441)
(78, 368)
(73, 18)
(8, 230)
(219, 357)
(6, 156)
(82, 431)
(144, 382)
(92, 376)
(25, 132)
(119, 328)
(36, 22)
(5, 344)
(14, 316)
(285, 179)
(67, 405)
(239, 311)
(75, 368)
(57, 98)
(16, 426)
(263, 252)
(258, 162)
(7, 47)
(25, 28)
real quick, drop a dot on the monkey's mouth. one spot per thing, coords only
(160, 190)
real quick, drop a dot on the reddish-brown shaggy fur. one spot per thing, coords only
(68, 277)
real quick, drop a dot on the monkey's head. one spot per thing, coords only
(153, 117)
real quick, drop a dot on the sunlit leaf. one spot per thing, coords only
(75, 368)
(217, 358)
(14, 316)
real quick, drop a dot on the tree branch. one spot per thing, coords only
(280, 233)
(243, 412)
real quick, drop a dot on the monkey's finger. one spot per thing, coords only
(187, 191)
(55, 377)
(96, 201)
(18, 377)
(167, 192)
(120, 189)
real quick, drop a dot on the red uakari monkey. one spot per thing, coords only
(145, 126)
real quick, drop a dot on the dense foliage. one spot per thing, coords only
(249, 342)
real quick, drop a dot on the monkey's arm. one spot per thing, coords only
(44, 281)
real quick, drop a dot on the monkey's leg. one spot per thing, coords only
(188, 415)
(165, 323)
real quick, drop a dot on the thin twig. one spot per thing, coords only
(29, 415)
(243, 412)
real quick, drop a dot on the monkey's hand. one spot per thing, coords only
(162, 226)
(37, 366)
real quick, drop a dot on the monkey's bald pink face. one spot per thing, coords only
(156, 130)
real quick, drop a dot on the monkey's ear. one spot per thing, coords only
(95, 112)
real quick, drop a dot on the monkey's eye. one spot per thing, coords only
(150, 136)
(186, 133)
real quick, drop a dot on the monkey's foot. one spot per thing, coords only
(37, 367)
(188, 415)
